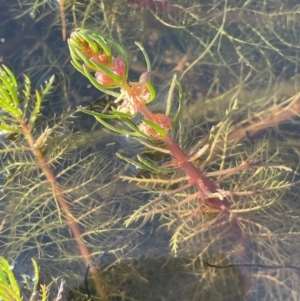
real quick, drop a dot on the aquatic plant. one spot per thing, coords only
(30, 289)
(223, 51)
(10, 289)
(58, 191)
(105, 64)
(18, 118)
(91, 53)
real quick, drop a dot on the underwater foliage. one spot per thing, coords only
(43, 195)
(234, 105)
(10, 289)
(195, 208)
(31, 289)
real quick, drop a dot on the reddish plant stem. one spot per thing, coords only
(208, 191)
(204, 186)
(63, 19)
(58, 193)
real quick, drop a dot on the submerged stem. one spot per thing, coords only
(59, 195)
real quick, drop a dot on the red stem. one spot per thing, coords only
(58, 193)
(204, 186)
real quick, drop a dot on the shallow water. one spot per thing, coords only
(222, 51)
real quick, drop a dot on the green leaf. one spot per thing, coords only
(26, 91)
(10, 108)
(44, 292)
(39, 97)
(143, 164)
(34, 114)
(9, 100)
(9, 128)
(118, 115)
(100, 87)
(99, 115)
(117, 130)
(155, 127)
(121, 114)
(36, 279)
(11, 76)
(48, 86)
(180, 95)
(101, 68)
(136, 129)
(152, 91)
(6, 294)
(4, 93)
(9, 286)
(152, 166)
(130, 161)
(11, 84)
(77, 65)
(86, 33)
(145, 56)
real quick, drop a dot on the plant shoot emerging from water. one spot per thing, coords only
(104, 63)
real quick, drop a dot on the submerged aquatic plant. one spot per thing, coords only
(18, 118)
(222, 51)
(187, 195)
(91, 53)
(10, 288)
(257, 202)
(93, 56)
(32, 289)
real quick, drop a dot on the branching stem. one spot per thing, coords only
(59, 195)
